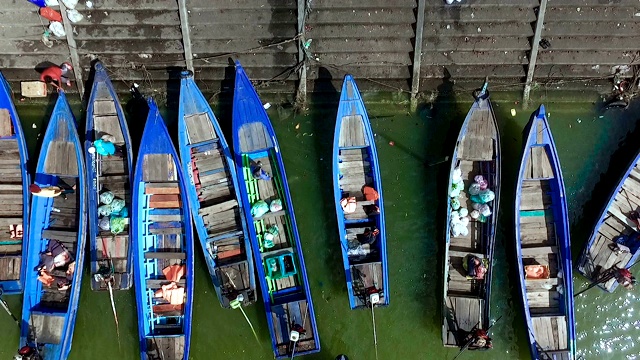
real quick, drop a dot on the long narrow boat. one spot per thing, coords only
(214, 197)
(543, 246)
(14, 194)
(477, 153)
(274, 234)
(615, 241)
(58, 227)
(110, 252)
(163, 246)
(356, 177)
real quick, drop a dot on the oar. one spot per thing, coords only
(446, 158)
(374, 299)
(6, 308)
(237, 304)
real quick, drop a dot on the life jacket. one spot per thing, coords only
(348, 204)
(370, 194)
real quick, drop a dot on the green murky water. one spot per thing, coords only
(594, 151)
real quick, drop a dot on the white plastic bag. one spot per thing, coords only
(70, 4)
(74, 16)
(57, 29)
(51, 3)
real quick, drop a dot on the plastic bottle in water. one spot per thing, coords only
(55, 209)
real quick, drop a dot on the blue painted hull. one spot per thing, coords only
(591, 260)
(558, 209)
(15, 286)
(192, 103)
(102, 90)
(248, 113)
(479, 118)
(61, 128)
(153, 227)
(351, 104)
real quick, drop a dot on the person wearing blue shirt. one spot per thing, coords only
(105, 147)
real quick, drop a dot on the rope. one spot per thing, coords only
(375, 336)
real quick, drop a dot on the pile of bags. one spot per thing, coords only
(480, 196)
(112, 213)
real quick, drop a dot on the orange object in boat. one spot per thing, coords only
(536, 272)
(174, 272)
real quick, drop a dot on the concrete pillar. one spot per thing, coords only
(534, 53)
(417, 55)
(186, 35)
(73, 52)
(301, 94)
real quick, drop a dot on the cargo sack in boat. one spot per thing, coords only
(106, 197)
(483, 197)
(270, 234)
(104, 210)
(124, 213)
(275, 205)
(116, 205)
(117, 224)
(455, 203)
(259, 208)
(348, 204)
(474, 189)
(456, 188)
(104, 223)
(370, 194)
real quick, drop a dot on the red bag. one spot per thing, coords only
(370, 194)
(50, 14)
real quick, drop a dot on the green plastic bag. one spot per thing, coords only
(117, 225)
(259, 208)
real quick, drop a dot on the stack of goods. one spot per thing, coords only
(112, 212)
(480, 198)
(459, 218)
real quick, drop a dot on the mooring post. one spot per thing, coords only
(186, 35)
(417, 55)
(301, 94)
(73, 52)
(534, 53)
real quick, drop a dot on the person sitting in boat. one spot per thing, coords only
(475, 268)
(50, 191)
(478, 339)
(55, 257)
(105, 147)
(625, 278)
(27, 353)
(297, 327)
(259, 173)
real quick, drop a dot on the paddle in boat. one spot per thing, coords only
(14, 196)
(163, 246)
(274, 234)
(543, 246)
(357, 190)
(57, 235)
(109, 172)
(472, 214)
(614, 244)
(214, 197)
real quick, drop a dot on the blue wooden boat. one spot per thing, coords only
(543, 246)
(214, 197)
(163, 245)
(363, 237)
(274, 234)
(110, 253)
(466, 299)
(14, 199)
(57, 225)
(615, 240)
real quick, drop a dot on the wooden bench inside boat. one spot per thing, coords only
(165, 348)
(48, 327)
(165, 255)
(550, 332)
(157, 283)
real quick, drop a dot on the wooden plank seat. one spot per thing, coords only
(168, 310)
(463, 254)
(164, 201)
(157, 283)
(165, 255)
(534, 285)
(544, 299)
(270, 215)
(220, 207)
(6, 126)
(550, 332)
(540, 250)
(199, 128)
(162, 188)
(60, 235)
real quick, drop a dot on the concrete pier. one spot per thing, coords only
(139, 40)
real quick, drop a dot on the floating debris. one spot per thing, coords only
(513, 112)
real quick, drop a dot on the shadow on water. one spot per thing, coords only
(323, 126)
(225, 101)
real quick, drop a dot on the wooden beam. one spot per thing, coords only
(417, 55)
(73, 52)
(534, 52)
(186, 35)
(301, 95)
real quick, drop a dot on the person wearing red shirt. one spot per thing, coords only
(57, 75)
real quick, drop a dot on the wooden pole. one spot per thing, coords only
(301, 94)
(186, 35)
(73, 52)
(417, 55)
(534, 53)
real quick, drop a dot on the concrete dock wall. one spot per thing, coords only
(140, 40)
